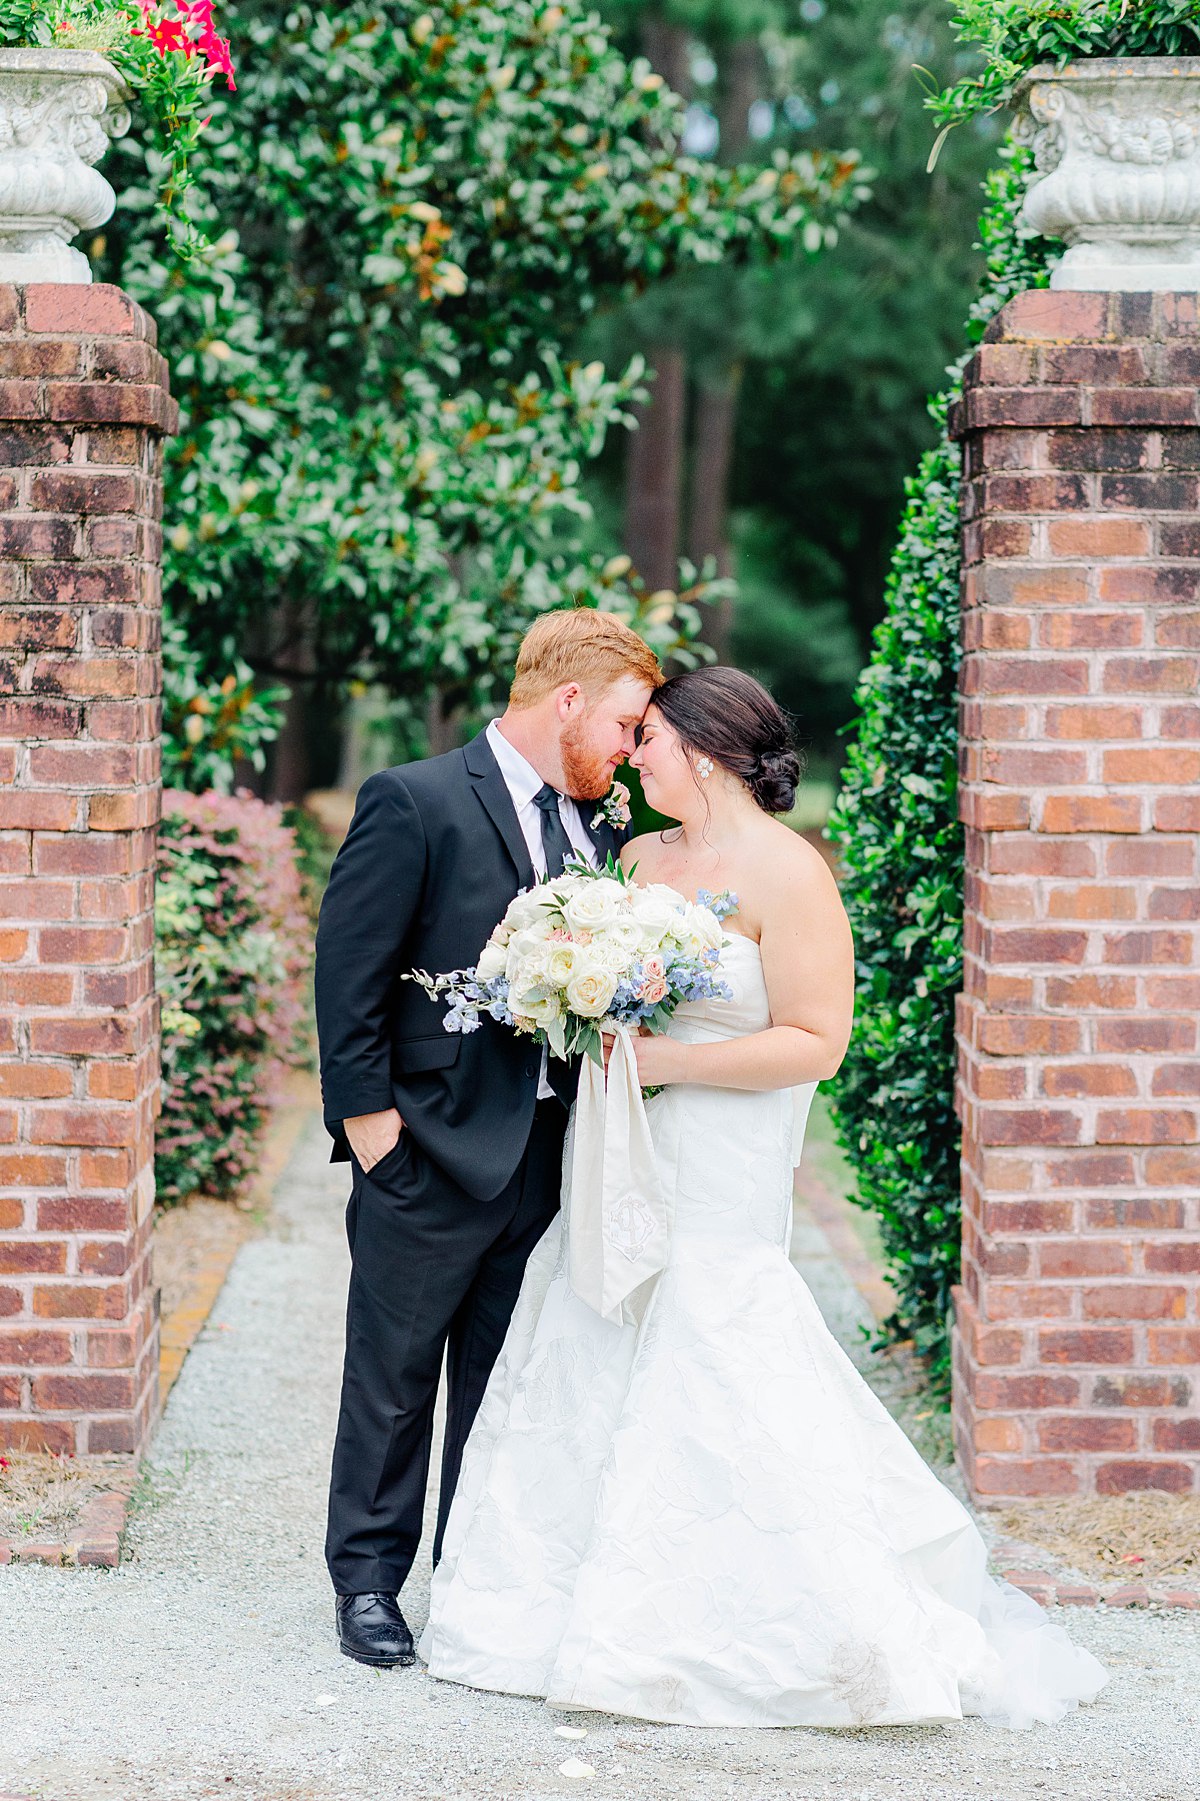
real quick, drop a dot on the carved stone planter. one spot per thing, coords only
(1116, 142)
(58, 110)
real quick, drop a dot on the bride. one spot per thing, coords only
(708, 1518)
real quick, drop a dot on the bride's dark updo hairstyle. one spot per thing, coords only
(726, 715)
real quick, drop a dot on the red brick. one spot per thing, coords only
(24, 1346)
(1099, 538)
(1151, 675)
(100, 309)
(1145, 1034)
(1029, 1125)
(1025, 1394)
(1151, 856)
(1075, 1079)
(1146, 1125)
(1134, 1300)
(1086, 1257)
(1101, 720)
(34, 1081)
(1122, 1478)
(1092, 901)
(1083, 1432)
(1143, 406)
(1177, 1435)
(1028, 1216)
(1090, 631)
(1174, 1344)
(56, 1436)
(83, 1394)
(1177, 813)
(1014, 1035)
(1158, 766)
(1057, 676)
(1133, 1212)
(1179, 722)
(1153, 946)
(1090, 1169)
(1175, 1257)
(1176, 1080)
(1092, 813)
(1019, 853)
(1026, 1476)
(1085, 1344)
(1140, 1391)
(1174, 903)
(72, 1300)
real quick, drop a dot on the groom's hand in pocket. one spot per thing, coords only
(372, 1135)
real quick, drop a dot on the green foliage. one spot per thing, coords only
(168, 60)
(896, 826)
(232, 950)
(1014, 35)
(410, 210)
(210, 726)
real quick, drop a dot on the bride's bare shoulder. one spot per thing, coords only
(787, 861)
(642, 851)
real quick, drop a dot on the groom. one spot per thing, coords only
(455, 1142)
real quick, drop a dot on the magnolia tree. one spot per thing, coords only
(408, 213)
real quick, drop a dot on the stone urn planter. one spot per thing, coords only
(58, 110)
(1116, 143)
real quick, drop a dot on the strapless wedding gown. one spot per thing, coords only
(709, 1519)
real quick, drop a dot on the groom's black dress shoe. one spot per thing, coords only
(371, 1629)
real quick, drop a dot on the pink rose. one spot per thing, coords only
(653, 992)
(653, 968)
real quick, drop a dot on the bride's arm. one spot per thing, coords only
(808, 964)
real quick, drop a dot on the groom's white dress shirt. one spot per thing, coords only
(523, 782)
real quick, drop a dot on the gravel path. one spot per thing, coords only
(207, 1665)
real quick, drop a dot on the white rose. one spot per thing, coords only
(543, 1011)
(658, 912)
(705, 927)
(594, 905)
(531, 972)
(561, 960)
(528, 909)
(492, 962)
(525, 946)
(624, 937)
(590, 992)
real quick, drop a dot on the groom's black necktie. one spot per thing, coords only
(555, 843)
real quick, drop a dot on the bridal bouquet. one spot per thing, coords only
(587, 952)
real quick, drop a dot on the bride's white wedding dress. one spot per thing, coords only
(709, 1519)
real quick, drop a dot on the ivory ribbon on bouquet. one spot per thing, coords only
(619, 1218)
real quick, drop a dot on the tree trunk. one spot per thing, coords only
(715, 424)
(290, 752)
(708, 534)
(654, 460)
(654, 475)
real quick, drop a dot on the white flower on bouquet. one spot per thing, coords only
(594, 905)
(659, 913)
(493, 961)
(529, 910)
(705, 928)
(590, 991)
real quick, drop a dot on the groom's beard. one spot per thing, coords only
(586, 774)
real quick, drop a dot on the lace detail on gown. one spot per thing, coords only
(710, 1519)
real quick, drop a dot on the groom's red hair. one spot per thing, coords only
(579, 644)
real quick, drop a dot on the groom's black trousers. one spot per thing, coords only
(434, 1272)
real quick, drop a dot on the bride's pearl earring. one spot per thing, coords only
(704, 767)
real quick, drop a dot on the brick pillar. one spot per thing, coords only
(83, 410)
(1078, 1318)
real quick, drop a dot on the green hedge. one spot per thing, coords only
(896, 826)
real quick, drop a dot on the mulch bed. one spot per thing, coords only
(1132, 1550)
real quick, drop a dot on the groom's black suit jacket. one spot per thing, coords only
(434, 855)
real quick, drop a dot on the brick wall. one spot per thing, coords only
(1077, 1354)
(83, 409)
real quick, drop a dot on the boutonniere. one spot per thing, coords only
(614, 809)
